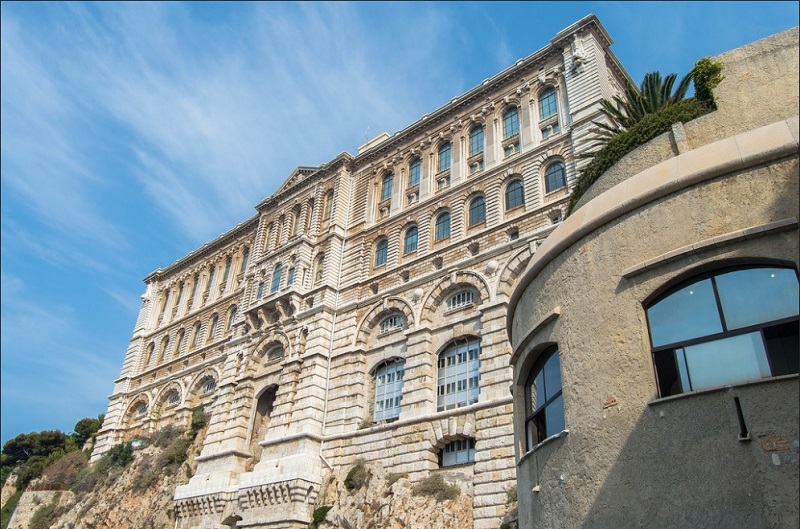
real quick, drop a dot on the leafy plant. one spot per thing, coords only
(511, 494)
(43, 517)
(356, 477)
(8, 508)
(319, 516)
(435, 486)
(199, 419)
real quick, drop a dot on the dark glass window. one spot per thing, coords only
(554, 177)
(510, 122)
(726, 327)
(276, 278)
(414, 171)
(476, 140)
(386, 189)
(412, 237)
(443, 226)
(381, 252)
(444, 157)
(477, 210)
(547, 103)
(515, 194)
(545, 407)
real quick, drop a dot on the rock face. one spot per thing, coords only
(388, 502)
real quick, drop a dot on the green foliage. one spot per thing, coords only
(435, 486)
(618, 146)
(24, 446)
(319, 516)
(356, 477)
(174, 454)
(8, 508)
(511, 494)
(85, 429)
(199, 419)
(707, 75)
(391, 478)
(44, 517)
(118, 456)
(166, 436)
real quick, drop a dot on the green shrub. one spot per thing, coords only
(173, 455)
(65, 471)
(199, 419)
(43, 517)
(707, 75)
(649, 127)
(357, 476)
(391, 478)
(319, 516)
(165, 436)
(435, 486)
(8, 508)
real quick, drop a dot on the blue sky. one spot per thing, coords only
(133, 133)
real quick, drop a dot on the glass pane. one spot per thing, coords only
(688, 313)
(730, 360)
(554, 417)
(757, 295)
(552, 375)
(537, 392)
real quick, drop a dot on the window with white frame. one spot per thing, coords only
(388, 391)
(391, 323)
(386, 186)
(725, 327)
(458, 374)
(457, 452)
(515, 194)
(462, 298)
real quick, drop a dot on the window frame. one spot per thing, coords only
(476, 136)
(547, 177)
(468, 450)
(394, 369)
(514, 196)
(442, 227)
(510, 119)
(414, 171)
(536, 418)
(444, 158)
(387, 183)
(275, 283)
(472, 211)
(407, 237)
(550, 96)
(450, 380)
(381, 252)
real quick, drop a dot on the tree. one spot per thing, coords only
(85, 430)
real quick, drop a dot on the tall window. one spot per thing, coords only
(228, 263)
(476, 140)
(231, 318)
(320, 267)
(327, 206)
(210, 278)
(149, 355)
(194, 288)
(515, 194)
(179, 342)
(388, 391)
(164, 305)
(179, 296)
(544, 407)
(381, 252)
(245, 256)
(510, 122)
(260, 290)
(386, 186)
(212, 328)
(196, 335)
(457, 452)
(444, 156)
(547, 103)
(163, 355)
(725, 327)
(443, 226)
(414, 171)
(458, 376)
(554, 177)
(276, 278)
(290, 277)
(477, 210)
(295, 222)
(412, 238)
(209, 384)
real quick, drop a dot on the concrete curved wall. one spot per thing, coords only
(629, 459)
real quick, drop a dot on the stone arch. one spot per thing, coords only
(448, 285)
(136, 402)
(260, 419)
(274, 337)
(513, 268)
(449, 429)
(174, 385)
(196, 388)
(377, 313)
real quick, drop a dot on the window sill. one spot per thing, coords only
(746, 383)
(539, 446)
(549, 194)
(465, 306)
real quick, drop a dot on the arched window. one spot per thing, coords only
(162, 355)
(196, 335)
(212, 328)
(386, 186)
(444, 156)
(276, 278)
(381, 252)
(458, 375)
(515, 194)
(477, 210)
(393, 322)
(231, 318)
(457, 452)
(309, 216)
(327, 206)
(260, 293)
(443, 226)
(510, 122)
(164, 306)
(290, 277)
(173, 398)
(149, 355)
(462, 298)
(245, 256)
(211, 271)
(388, 391)
(179, 342)
(544, 405)
(275, 353)
(179, 296)
(411, 240)
(228, 263)
(141, 409)
(414, 170)
(554, 177)
(547, 103)
(320, 267)
(194, 288)
(208, 385)
(476, 140)
(295, 222)
(725, 327)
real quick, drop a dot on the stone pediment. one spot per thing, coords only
(297, 176)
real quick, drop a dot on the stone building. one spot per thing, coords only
(655, 331)
(361, 312)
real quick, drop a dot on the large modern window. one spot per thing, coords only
(386, 187)
(476, 140)
(510, 122)
(477, 210)
(544, 406)
(457, 452)
(725, 327)
(411, 240)
(276, 278)
(444, 156)
(458, 374)
(381, 252)
(388, 391)
(547, 103)
(443, 226)
(414, 171)
(554, 177)
(515, 194)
